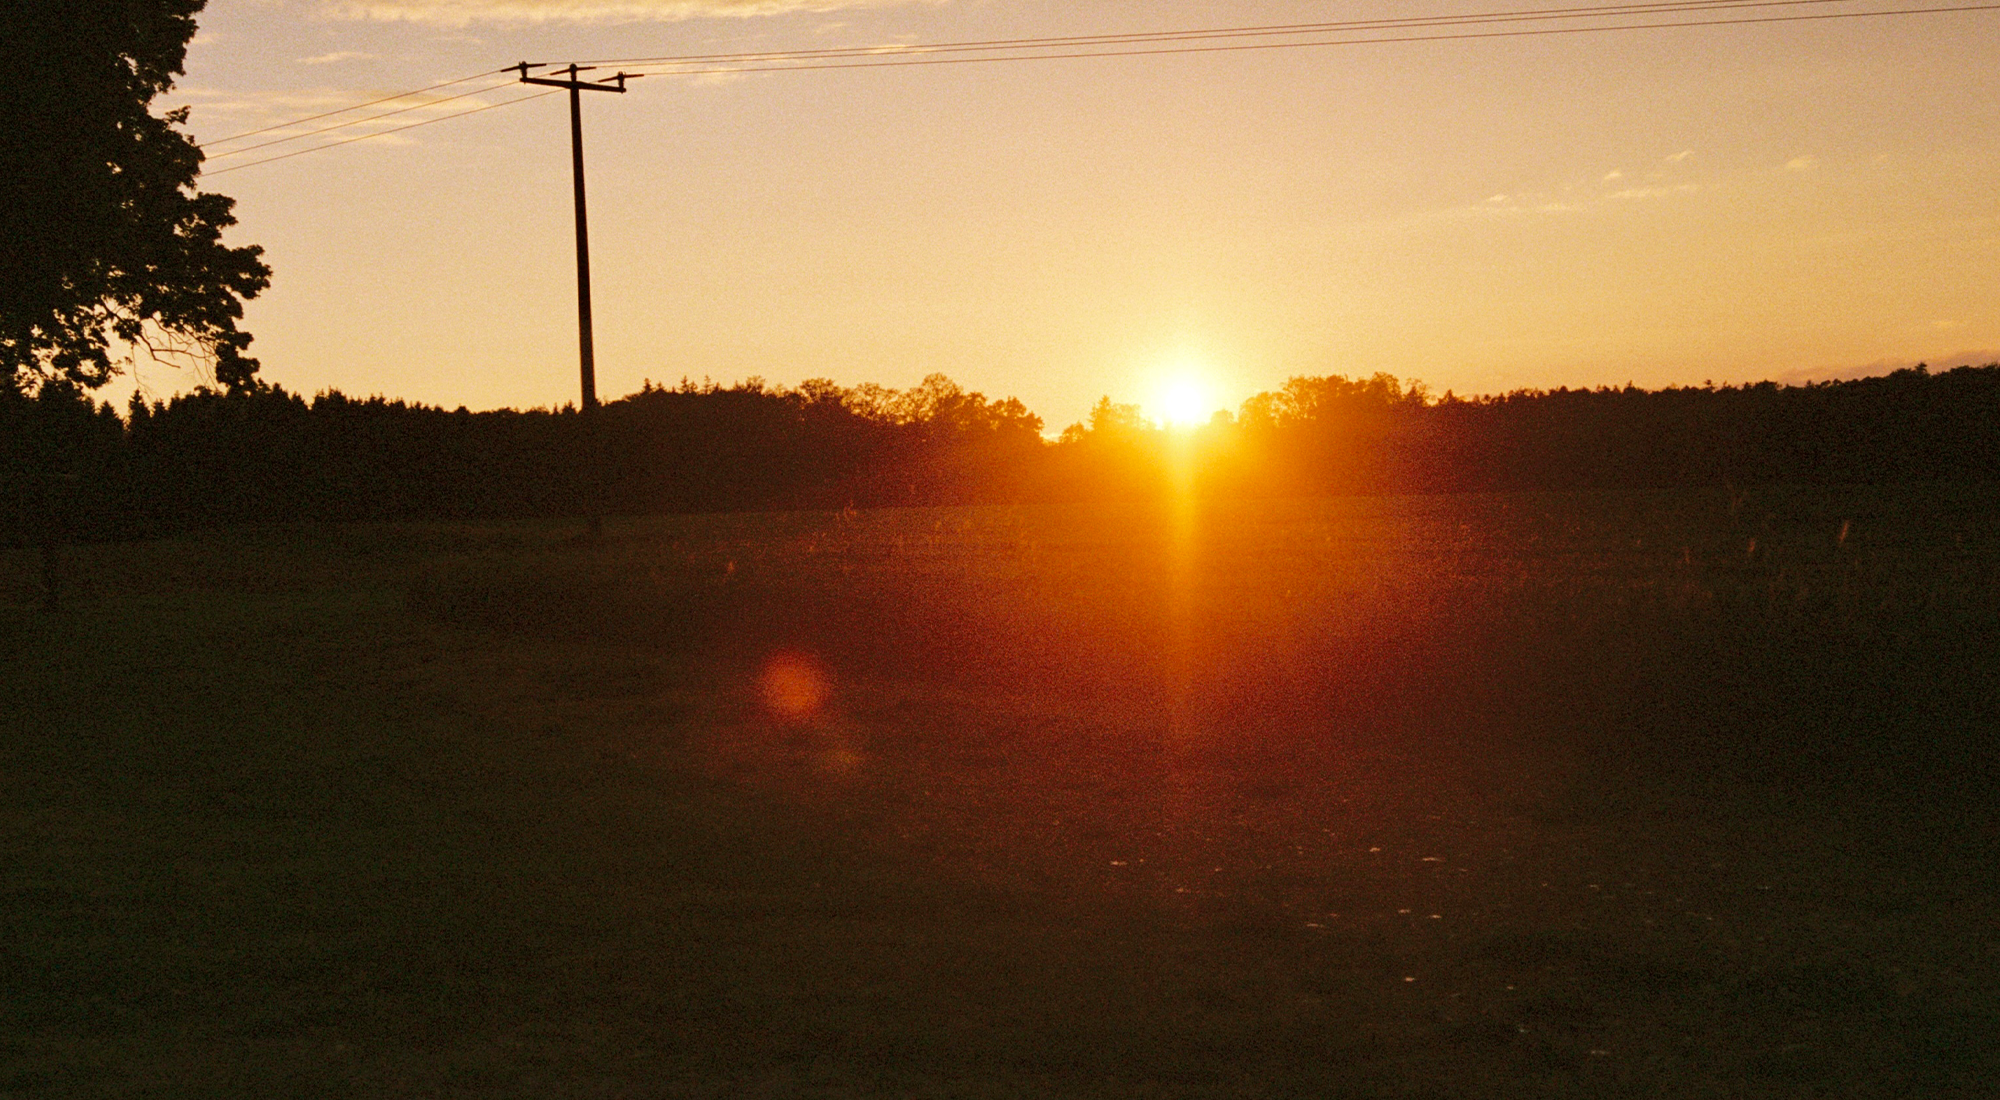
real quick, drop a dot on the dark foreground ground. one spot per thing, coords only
(1678, 796)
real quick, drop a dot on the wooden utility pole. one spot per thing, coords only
(586, 348)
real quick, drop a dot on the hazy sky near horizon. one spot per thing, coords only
(1661, 206)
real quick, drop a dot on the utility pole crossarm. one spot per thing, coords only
(615, 83)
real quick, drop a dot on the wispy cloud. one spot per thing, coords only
(1633, 194)
(1571, 198)
(458, 13)
(335, 57)
(1801, 164)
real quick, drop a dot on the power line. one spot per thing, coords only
(860, 59)
(1142, 37)
(1129, 44)
(379, 133)
(344, 110)
(356, 121)
(1402, 39)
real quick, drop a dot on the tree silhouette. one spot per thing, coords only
(72, 469)
(103, 234)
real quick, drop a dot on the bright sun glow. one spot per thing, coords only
(1183, 403)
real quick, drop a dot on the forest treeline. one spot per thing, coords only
(76, 468)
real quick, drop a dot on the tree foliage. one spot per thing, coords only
(210, 458)
(104, 236)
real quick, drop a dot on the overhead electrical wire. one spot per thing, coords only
(351, 107)
(382, 133)
(1598, 11)
(887, 56)
(1355, 32)
(357, 122)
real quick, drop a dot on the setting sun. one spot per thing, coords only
(1183, 403)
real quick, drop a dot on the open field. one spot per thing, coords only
(1687, 795)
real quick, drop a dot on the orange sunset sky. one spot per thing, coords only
(1778, 200)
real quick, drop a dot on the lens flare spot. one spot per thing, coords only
(795, 687)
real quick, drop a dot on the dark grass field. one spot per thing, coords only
(1685, 795)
